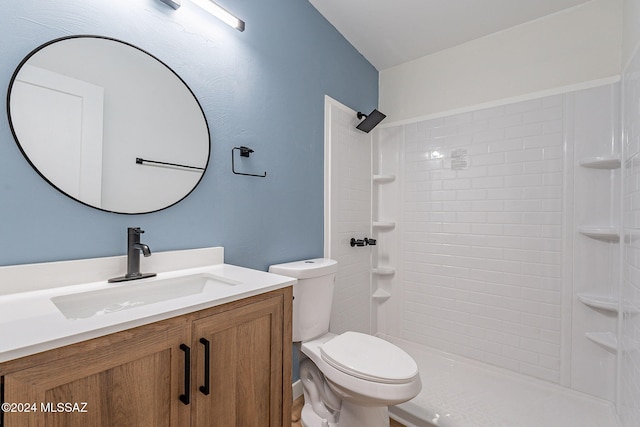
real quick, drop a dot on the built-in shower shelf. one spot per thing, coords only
(607, 340)
(601, 162)
(384, 271)
(605, 302)
(381, 295)
(608, 234)
(384, 225)
(383, 179)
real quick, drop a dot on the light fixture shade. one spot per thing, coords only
(220, 13)
(173, 3)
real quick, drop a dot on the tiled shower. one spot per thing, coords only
(491, 263)
(498, 236)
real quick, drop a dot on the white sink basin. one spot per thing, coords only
(132, 294)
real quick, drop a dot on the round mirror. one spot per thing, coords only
(108, 124)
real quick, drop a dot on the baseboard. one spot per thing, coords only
(297, 389)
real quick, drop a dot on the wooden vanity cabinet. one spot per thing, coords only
(136, 378)
(126, 379)
(239, 366)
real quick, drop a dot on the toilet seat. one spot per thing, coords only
(369, 358)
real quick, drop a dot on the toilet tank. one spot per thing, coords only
(312, 295)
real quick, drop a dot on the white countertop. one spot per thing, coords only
(30, 322)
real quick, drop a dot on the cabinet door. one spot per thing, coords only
(131, 378)
(245, 366)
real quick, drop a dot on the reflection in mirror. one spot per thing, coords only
(83, 109)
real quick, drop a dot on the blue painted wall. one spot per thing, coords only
(263, 88)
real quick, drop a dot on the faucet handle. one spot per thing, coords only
(135, 230)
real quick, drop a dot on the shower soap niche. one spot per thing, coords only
(602, 162)
(605, 302)
(384, 225)
(608, 234)
(381, 295)
(384, 271)
(383, 179)
(607, 340)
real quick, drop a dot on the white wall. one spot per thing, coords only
(575, 46)
(630, 29)
(347, 215)
(629, 401)
(630, 295)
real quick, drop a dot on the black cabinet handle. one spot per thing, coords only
(186, 397)
(204, 389)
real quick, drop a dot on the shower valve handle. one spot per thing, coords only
(355, 242)
(362, 242)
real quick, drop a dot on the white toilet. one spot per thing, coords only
(349, 379)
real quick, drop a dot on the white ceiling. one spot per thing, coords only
(391, 32)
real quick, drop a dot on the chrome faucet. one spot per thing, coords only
(134, 247)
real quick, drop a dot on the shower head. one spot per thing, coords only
(370, 121)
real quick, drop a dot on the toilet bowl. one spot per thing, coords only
(367, 373)
(322, 406)
(358, 375)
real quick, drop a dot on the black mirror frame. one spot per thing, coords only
(15, 137)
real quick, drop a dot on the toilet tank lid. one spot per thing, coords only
(306, 268)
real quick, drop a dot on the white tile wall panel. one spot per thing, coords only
(480, 242)
(488, 260)
(630, 334)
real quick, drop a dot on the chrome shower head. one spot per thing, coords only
(370, 120)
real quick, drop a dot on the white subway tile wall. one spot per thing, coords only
(481, 235)
(630, 334)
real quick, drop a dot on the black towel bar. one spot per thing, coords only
(141, 161)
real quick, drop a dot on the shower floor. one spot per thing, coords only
(459, 392)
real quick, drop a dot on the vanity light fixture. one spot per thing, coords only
(220, 13)
(211, 7)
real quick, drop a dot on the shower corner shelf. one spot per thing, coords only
(384, 271)
(608, 234)
(601, 162)
(605, 302)
(384, 225)
(607, 340)
(381, 295)
(383, 179)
